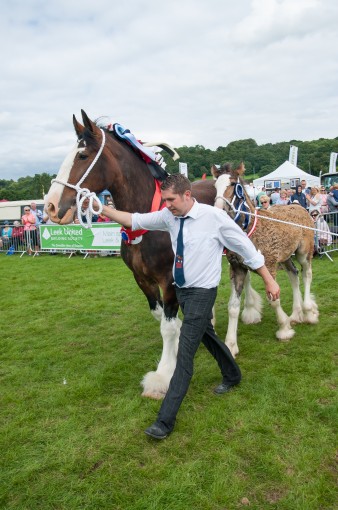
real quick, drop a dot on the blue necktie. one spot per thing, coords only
(179, 271)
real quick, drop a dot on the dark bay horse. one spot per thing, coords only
(116, 167)
(277, 241)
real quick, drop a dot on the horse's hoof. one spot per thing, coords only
(251, 316)
(311, 318)
(153, 395)
(233, 348)
(284, 335)
(297, 316)
(155, 385)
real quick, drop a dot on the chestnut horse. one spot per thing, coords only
(277, 241)
(115, 166)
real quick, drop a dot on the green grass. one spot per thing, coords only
(76, 339)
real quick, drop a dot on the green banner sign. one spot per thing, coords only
(101, 236)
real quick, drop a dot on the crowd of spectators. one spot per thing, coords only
(24, 235)
(316, 200)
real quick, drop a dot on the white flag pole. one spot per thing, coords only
(183, 168)
(293, 154)
(333, 161)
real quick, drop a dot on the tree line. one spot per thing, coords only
(313, 158)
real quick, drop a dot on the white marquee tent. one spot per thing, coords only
(285, 176)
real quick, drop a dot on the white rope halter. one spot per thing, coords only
(84, 193)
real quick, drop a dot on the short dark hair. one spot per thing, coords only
(178, 182)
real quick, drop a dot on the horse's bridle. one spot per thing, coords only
(84, 193)
(238, 206)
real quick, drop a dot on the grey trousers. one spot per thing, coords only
(196, 305)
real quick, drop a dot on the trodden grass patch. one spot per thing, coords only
(76, 339)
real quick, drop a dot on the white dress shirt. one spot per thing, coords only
(205, 234)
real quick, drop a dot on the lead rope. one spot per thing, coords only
(84, 193)
(232, 207)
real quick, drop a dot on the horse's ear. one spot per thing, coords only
(241, 169)
(78, 127)
(214, 171)
(87, 122)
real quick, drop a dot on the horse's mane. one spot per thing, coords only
(104, 122)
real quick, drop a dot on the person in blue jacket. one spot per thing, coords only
(299, 197)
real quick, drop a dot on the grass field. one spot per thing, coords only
(76, 339)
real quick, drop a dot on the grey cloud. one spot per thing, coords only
(190, 72)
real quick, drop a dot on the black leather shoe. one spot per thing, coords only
(156, 432)
(223, 388)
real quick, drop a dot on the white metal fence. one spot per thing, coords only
(28, 242)
(326, 239)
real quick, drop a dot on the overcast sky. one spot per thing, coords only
(189, 72)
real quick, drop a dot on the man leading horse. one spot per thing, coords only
(198, 235)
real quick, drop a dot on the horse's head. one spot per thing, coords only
(225, 176)
(60, 202)
(222, 176)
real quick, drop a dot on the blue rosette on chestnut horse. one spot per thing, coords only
(241, 206)
(144, 152)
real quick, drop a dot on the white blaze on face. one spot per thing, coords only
(221, 185)
(56, 189)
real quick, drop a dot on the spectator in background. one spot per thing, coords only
(6, 235)
(265, 201)
(18, 235)
(334, 191)
(323, 237)
(108, 200)
(299, 197)
(283, 198)
(274, 196)
(332, 204)
(28, 221)
(313, 199)
(102, 219)
(259, 195)
(289, 192)
(323, 196)
(305, 189)
(37, 213)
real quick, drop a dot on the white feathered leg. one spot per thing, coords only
(285, 331)
(297, 306)
(310, 308)
(233, 312)
(251, 313)
(155, 384)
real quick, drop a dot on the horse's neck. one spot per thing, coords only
(251, 207)
(131, 183)
(247, 198)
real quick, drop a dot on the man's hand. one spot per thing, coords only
(272, 290)
(271, 286)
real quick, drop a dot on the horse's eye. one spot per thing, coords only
(82, 155)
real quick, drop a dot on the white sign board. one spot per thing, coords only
(183, 167)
